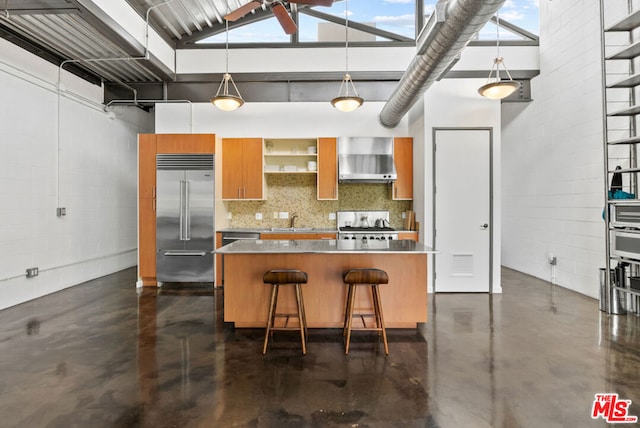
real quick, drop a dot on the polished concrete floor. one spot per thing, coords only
(104, 355)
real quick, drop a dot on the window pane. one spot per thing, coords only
(265, 31)
(312, 29)
(396, 16)
(523, 13)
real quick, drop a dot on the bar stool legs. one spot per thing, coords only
(285, 277)
(371, 278)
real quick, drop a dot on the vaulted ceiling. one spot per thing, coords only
(79, 35)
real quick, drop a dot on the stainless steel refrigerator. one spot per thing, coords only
(185, 217)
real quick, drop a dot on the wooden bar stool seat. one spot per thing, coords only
(367, 277)
(276, 278)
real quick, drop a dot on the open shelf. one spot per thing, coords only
(290, 155)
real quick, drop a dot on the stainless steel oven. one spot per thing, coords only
(230, 236)
(365, 226)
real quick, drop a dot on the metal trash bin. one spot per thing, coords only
(617, 298)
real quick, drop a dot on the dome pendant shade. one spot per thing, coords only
(344, 101)
(495, 88)
(499, 90)
(223, 99)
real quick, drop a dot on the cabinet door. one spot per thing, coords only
(147, 165)
(413, 236)
(147, 243)
(252, 173)
(186, 143)
(286, 236)
(218, 260)
(231, 168)
(403, 157)
(325, 236)
(327, 168)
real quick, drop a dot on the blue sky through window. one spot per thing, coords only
(397, 16)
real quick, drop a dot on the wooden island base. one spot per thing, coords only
(246, 297)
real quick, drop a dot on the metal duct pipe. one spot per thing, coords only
(460, 22)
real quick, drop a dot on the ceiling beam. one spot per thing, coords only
(37, 7)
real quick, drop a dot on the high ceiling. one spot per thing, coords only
(78, 36)
(64, 30)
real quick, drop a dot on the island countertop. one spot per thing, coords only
(246, 298)
(325, 246)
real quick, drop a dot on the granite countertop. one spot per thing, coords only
(289, 230)
(325, 246)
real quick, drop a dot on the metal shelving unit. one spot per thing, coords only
(620, 23)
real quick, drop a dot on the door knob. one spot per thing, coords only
(484, 226)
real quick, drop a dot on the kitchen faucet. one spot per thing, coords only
(293, 220)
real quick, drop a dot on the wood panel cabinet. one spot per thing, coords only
(148, 146)
(402, 188)
(186, 143)
(327, 169)
(413, 236)
(218, 282)
(293, 235)
(242, 176)
(147, 208)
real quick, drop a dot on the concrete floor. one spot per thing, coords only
(102, 355)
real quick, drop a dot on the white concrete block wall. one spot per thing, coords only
(552, 155)
(97, 165)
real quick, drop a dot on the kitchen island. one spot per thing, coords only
(246, 297)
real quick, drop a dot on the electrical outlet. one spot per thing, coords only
(61, 212)
(258, 216)
(332, 216)
(275, 214)
(552, 259)
(404, 214)
(283, 214)
(229, 216)
(31, 272)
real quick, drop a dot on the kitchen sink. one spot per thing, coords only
(291, 229)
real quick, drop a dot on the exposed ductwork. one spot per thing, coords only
(450, 29)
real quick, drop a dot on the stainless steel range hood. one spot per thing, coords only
(366, 160)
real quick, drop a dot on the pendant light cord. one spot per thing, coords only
(498, 33)
(226, 47)
(346, 33)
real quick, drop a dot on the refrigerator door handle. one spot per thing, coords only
(187, 212)
(181, 209)
(185, 253)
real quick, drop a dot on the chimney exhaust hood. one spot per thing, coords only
(366, 160)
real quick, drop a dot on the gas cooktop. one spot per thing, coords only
(365, 229)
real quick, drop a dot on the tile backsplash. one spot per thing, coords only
(298, 193)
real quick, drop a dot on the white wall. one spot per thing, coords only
(552, 155)
(92, 173)
(286, 120)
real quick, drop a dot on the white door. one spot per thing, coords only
(462, 179)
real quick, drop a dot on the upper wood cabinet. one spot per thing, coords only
(242, 176)
(403, 156)
(327, 168)
(186, 143)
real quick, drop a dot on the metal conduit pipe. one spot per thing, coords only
(463, 19)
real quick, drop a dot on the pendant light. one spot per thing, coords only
(495, 88)
(345, 101)
(224, 100)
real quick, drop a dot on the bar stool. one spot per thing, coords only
(371, 278)
(276, 278)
